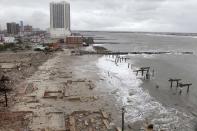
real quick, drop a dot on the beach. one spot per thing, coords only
(87, 92)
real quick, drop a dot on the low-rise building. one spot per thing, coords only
(74, 40)
(28, 28)
(8, 40)
(1, 37)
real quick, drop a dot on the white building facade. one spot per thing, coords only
(59, 19)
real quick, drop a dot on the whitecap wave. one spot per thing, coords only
(140, 105)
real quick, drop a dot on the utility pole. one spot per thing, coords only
(123, 111)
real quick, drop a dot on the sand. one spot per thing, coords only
(62, 85)
(69, 92)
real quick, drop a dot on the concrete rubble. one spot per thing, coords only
(57, 95)
(46, 98)
(88, 121)
(18, 66)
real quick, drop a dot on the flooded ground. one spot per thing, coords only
(66, 83)
(89, 92)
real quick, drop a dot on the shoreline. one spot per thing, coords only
(89, 83)
(150, 106)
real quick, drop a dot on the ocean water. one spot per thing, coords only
(163, 106)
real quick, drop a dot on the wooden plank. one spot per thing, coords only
(74, 99)
(66, 92)
(72, 123)
(53, 91)
(105, 115)
(56, 121)
(118, 129)
(49, 95)
(106, 124)
(7, 65)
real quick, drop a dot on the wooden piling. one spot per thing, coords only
(177, 83)
(174, 80)
(171, 84)
(142, 72)
(147, 76)
(188, 89)
(6, 99)
(180, 92)
(185, 85)
(153, 73)
(137, 73)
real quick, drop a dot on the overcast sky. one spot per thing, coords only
(115, 15)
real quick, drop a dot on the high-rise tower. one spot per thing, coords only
(59, 19)
(13, 28)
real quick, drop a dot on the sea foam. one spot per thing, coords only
(139, 104)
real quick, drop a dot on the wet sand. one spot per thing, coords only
(17, 67)
(53, 76)
(68, 83)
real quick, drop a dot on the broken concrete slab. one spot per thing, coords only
(77, 88)
(74, 98)
(31, 99)
(105, 115)
(106, 124)
(53, 93)
(86, 121)
(18, 120)
(72, 123)
(56, 121)
(50, 95)
(8, 65)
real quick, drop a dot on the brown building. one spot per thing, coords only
(74, 40)
(28, 28)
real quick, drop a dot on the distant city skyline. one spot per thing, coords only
(116, 15)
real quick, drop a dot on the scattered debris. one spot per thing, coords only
(56, 121)
(106, 124)
(15, 120)
(105, 115)
(179, 84)
(74, 98)
(52, 95)
(149, 127)
(115, 91)
(118, 129)
(8, 66)
(87, 121)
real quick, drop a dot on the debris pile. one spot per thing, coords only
(74, 90)
(89, 121)
(17, 121)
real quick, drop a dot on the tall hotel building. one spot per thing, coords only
(59, 19)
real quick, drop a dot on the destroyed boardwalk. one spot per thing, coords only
(62, 97)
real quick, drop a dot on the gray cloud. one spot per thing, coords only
(128, 15)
